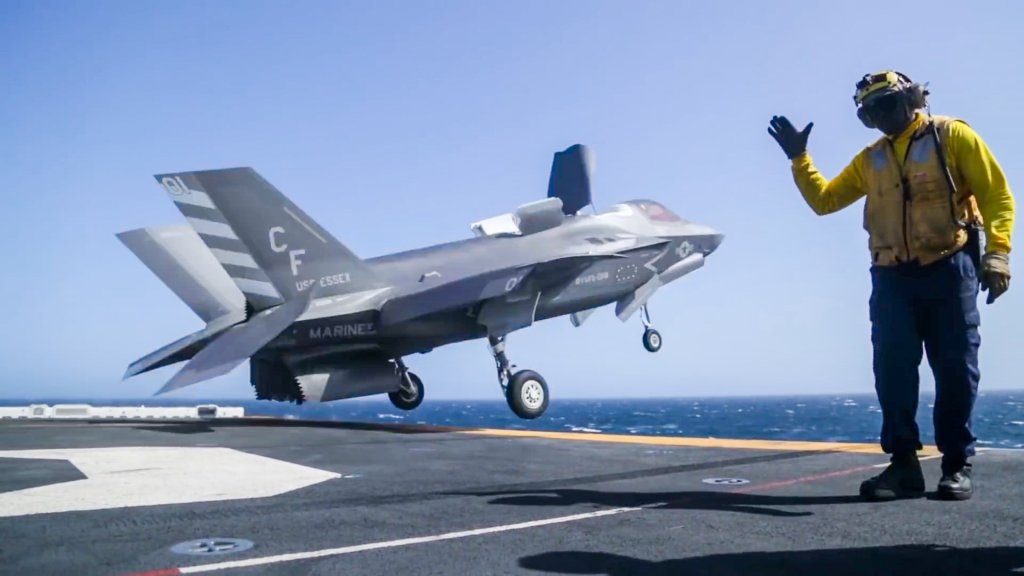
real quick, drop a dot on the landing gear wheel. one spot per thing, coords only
(527, 394)
(652, 340)
(410, 395)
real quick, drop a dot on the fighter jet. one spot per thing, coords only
(317, 323)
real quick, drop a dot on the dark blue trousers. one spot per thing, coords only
(934, 306)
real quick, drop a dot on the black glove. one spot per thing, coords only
(793, 143)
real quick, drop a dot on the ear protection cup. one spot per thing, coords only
(916, 96)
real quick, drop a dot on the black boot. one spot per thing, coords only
(955, 483)
(901, 479)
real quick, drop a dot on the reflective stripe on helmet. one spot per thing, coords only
(877, 84)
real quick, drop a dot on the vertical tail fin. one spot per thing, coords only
(177, 256)
(294, 253)
(218, 235)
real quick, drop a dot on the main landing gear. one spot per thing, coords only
(525, 390)
(410, 392)
(652, 338)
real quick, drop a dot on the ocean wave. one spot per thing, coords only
(582, 429)
(999, 418)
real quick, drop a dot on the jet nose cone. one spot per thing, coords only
(714, 240)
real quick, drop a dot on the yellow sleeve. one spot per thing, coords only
(822, 195)
(978, 167)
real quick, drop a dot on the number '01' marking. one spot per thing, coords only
(175, 185)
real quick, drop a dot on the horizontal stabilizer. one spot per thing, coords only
(184, 348)
(177, 256)
(237, 345)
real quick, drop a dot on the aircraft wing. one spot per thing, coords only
(437, 296)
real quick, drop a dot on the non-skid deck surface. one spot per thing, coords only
(314, 498)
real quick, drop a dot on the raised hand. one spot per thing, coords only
(793, 143)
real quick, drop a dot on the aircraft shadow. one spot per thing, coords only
(183, 428)
(932, 560)
(692, 500)
(192, 427)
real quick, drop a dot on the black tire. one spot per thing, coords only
(402, 400)
(527, 394)
(652, 340)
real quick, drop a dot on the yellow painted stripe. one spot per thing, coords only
(681, 441)
(678, 441)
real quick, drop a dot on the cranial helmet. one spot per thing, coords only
(883, 90)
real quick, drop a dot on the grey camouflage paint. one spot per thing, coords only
(324, 324)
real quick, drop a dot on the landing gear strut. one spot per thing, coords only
(652, 338)
(525, 390)
(410, 389)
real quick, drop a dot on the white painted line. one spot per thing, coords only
(304, 225)
(396, 543)
(151, 476)
(234, 258)
(210, 228)
(921, 459)
(195, 198)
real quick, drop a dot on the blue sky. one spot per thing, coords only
(450, 111)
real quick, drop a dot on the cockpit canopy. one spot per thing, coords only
(655, 211)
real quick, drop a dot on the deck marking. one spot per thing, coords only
(784, 445)
(803, 479)
(296, 556)
(725, 481)
(250, 562)
(156, 475)
(922, 459)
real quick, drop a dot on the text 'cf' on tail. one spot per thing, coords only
(263, 239)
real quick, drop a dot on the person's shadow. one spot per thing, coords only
(873, 561)
(693, 500)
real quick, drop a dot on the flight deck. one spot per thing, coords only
(218, 492)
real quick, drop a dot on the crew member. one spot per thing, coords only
(931, 184)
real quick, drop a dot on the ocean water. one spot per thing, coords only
(998, 417)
